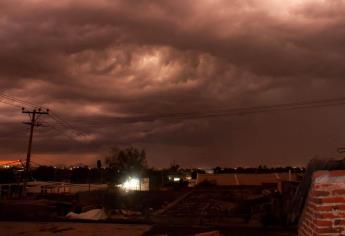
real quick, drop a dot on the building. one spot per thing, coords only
(249, 179)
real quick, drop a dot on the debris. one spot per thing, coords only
(94, 214)
(211, 233)
(130, 213)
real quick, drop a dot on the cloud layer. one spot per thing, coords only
(91, 61)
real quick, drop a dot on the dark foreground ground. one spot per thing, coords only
(90, 229)
(231, 211)
(232, 231)
(70, 229)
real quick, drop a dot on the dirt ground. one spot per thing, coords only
(99, 229)
(231, 231)
(70, 229)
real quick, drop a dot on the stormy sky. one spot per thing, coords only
(93, 62)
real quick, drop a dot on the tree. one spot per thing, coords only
(217, 170)
(128, 162)
(44, 173)
(80, 175)
(174, 167)
(111, 158)
(99, 164)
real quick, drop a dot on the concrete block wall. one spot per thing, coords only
(324, 210)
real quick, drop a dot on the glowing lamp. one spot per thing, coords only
(131, 184)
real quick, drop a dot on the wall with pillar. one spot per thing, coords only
(324, 210)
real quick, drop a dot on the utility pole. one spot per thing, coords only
(34, 116)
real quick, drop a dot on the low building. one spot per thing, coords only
(245, 179)
(136, 184)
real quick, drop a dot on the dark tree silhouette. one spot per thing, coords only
(128, 162)
(80, 175)
(44, 173)
(174, 167)
(99, 164)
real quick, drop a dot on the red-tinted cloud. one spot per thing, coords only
(91, 61)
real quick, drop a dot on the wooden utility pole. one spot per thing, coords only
(34, 116)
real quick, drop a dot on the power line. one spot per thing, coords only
(223, 112)
(65, 124)
(51, 114)
(11, 104)
(20, 101)
(34, 116)
(53, 127)
(186, 115)
(218, 113)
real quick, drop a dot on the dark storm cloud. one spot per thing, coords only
(91, 61)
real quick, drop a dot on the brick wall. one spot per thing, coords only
(324, 210)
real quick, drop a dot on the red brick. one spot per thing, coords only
(306, 225)
(332, 200)
(338, 192)
(303, 231)
(308, 222)
(322, 186)
(323, 234)
(310, 209)
(320, 193)
(339, 222)
(307, 212)
(337, 173)
(330, 215)
(316, 200)
(307, 229)
(329, 230)
(310, 205)
(323, 223)
(339, 207)
(329, 208)
(324, 208)
(320, 173)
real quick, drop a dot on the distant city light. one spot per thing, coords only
(177, 179)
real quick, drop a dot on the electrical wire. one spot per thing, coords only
(53, 115)
(11, 104)
(177, 116)
(218, 113)
(13, 99)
